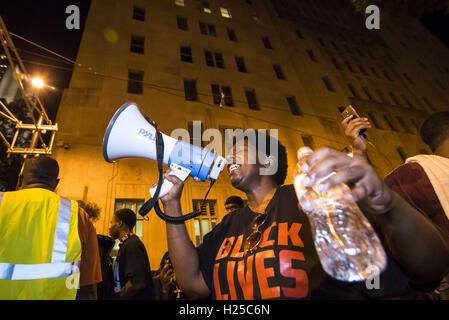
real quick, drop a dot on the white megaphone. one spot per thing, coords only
(130, 135)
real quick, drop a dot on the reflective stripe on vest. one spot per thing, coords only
(58, 267)
(10, 271)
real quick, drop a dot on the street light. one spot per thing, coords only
(37, 82)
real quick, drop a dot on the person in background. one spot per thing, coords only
(233, 203)
(91, 208)
(169, 288)
(423, 180)
(132, 271)
(46, 240)
(105, 288)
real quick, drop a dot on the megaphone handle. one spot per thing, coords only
(176, 170)
(165, 188)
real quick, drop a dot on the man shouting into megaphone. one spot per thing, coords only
(265, 250)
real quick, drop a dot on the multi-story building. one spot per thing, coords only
(286, 65)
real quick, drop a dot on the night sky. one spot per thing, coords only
(43, 22)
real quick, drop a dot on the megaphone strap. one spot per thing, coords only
(153, 202)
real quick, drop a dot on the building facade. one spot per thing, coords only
(260, 64)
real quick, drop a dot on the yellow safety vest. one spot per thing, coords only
(40, 248)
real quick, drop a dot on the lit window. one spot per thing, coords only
(206, 7)
(225, 13)
(180, 3)
(206, 221)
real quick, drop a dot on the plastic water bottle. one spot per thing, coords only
(347, 245)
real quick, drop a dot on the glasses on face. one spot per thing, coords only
(253, 240)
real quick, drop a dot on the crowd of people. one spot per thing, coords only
(261, 250)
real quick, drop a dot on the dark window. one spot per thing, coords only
(228, 95)
(219, 60)
(231, 34)
(336, 64)
(440, 84)
(137, 44)
(182, 23)
(311, 55)
(209, 58)
(216, 93)
(406, 76)
(203, 28)
(387, 75)
(190, 90)
(278, 70)
(353, 92)
(404, 124)
(401, 153)
(240, 64)
(135, 84)
(381, 96)
(252, 100)
(214, 59)
(373, 69)
(368, 94)
(350, 67)
(208, 29)
(390, 124)
(139, 13)
(266, 43)
(430, 104)
(407, 101)
(223, 96)
(362, 69)
(373, 120)
(186, 54)
(293, 104)
(211, 29)
(308, 142)
(395, 100)
(328, 84)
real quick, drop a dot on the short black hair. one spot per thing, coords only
(235, 199)
(282, 164)
(127, 216)
(435, 129)
(40, 170)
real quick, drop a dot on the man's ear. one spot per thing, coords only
(269, 165)
(269, 161)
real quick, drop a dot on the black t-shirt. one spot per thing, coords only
(134, 265)
(285, 265)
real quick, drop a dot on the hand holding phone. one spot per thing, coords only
(350, 112)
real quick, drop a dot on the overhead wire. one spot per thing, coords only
(161, 89)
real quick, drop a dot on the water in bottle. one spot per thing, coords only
(347, 245)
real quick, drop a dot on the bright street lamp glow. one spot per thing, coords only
(37, 82)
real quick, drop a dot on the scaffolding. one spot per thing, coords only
(39, 126)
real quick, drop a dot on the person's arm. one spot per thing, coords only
(352, 129)
(414, 242)
(129, 290)
(183, 254)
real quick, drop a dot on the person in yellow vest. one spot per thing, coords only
(48, 249)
